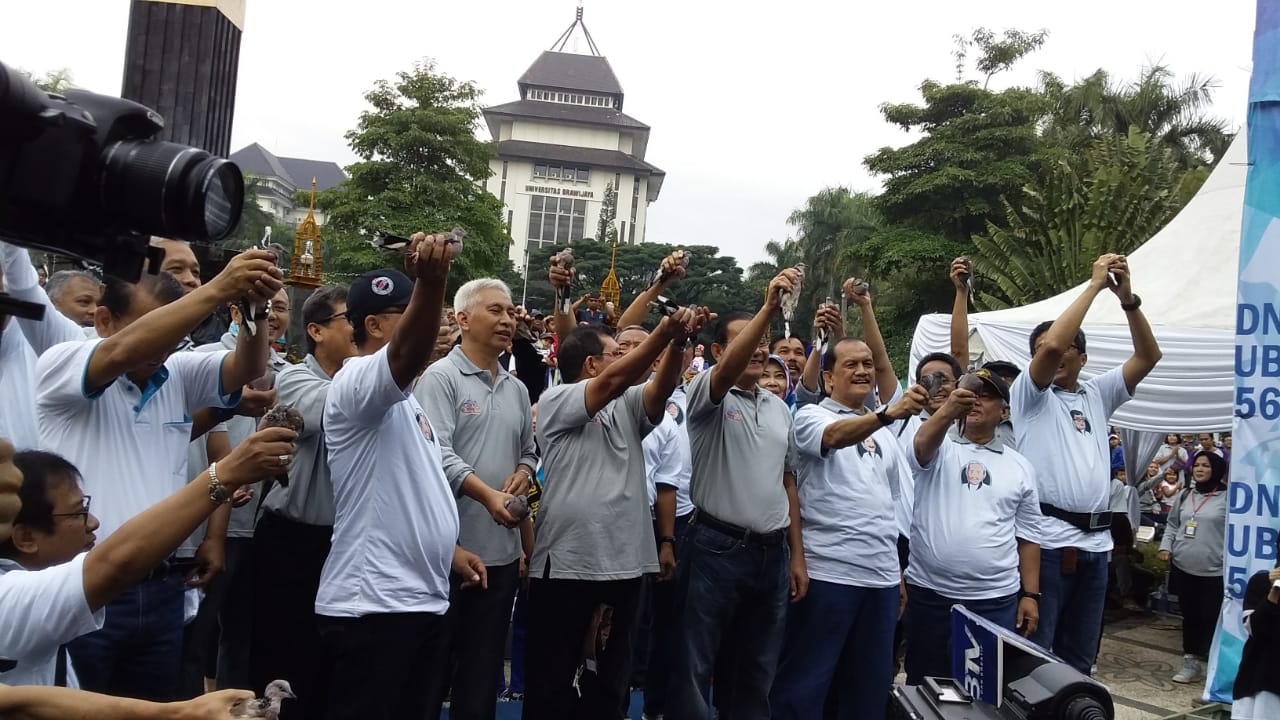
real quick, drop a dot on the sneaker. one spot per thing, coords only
(1192, 670)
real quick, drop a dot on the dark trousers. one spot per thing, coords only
(216, 642)
(138, 651)
(1200, 599)
(285, 640)
(1071, 606)
(839, 637)
(474, 644)
(733, 594)
(519, 626)
(381, 664)
(560, 614)
(663, 639)
(928, 625)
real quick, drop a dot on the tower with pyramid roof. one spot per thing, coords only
(562, 143)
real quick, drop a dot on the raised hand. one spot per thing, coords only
(251, 275)
(673, 269)
(1100, 276)
(961, 271)
(959, 403)
(428, 256)
(1122, 284)
(784, 282)
(911, 403)
(857, 291)
(559, 276)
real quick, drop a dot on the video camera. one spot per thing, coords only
(82, 174)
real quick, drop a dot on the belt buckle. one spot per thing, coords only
(1095, 521)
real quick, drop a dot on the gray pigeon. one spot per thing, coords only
(285, 416)
(267, 706)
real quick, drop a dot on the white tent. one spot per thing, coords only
(1186, 275)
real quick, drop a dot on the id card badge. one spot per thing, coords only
(1190, 528)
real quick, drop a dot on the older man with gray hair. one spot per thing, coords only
(482, 418)
(75, 293)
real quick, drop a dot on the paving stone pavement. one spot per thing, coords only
(1139, 655)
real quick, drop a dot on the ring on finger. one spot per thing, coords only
(284, 459)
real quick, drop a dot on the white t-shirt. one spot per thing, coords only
(396, 520)
(847, 501)
(130, 445)
(1177, 452)
(1064, 435)
(18, 388)
(677, 408)
(972, 504)
(43, 610)
(661, 456)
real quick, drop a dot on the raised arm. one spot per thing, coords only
(144, 542)
(960, 311)
(252, 274)
(853, 430)
(560, 279)
(677, 329)
(18, 277)
(426, 260)
(1146, 351)
(39, 702)
(886, 379)
(932, 432)
(735, 358)
(626, 371)
(248, 361)
(1059, 337)
(827, 315)
(671, 271)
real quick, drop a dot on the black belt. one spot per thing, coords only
(1085, 522)
(743, 535)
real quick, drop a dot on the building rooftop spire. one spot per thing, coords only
(559, 44)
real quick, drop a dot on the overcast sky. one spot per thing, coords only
(752, 110)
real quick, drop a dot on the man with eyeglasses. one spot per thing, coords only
(291, 540)
(1073, 467)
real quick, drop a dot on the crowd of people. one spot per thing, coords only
(762, 532)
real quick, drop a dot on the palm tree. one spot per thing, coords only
(1172, 114)
(827, 224)
(1112, 199)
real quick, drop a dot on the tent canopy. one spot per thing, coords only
(1186, 275)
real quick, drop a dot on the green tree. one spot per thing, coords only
(54, 81)
(1175, 115)
(606, 228)
(1113, 199)
(829, 223)
(421, 167)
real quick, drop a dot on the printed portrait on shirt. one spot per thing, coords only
(975, 475)
(1080, 422)
(869, 447)
(676, 414)
(425, 427)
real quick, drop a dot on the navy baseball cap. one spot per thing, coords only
(376, 291)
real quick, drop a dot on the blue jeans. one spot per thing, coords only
(841, 635)
(928, 625)
(138, 651)
(1071, 606)
(728, 589)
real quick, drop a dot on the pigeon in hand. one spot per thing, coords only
(285, 416)
(267, 706)
(518, 506)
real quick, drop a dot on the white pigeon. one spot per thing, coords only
(267, 706)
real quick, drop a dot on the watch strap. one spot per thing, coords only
(1130, 307)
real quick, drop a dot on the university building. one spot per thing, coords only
(278, 178)
(561, 144)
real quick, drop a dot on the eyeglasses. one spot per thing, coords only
(615, 354)
(331, 318)
(82, 513)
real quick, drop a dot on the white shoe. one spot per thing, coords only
(1192, 670)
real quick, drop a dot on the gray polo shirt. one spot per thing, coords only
(309, 497)
(593, 522)
(741, 447)
(484, 427)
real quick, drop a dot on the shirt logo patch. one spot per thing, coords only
(1081, 423)
(382, 285)
(733, 414)
(425, 426)
(974, 476)
(470, 407)
(869, 447)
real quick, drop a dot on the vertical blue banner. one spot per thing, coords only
(1254, 513)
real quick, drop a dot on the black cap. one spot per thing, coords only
(993, 381)
(1003, 368)
(375, 291)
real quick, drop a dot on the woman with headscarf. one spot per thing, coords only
(776, 378)
(1195, 533)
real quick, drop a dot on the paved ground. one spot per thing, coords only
(1140, 653)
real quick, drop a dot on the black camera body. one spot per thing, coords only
(82, 174)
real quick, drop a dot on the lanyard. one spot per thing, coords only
(1195, 509)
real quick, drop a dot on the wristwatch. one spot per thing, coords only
(883, 416)
(218, 493)
(666, 539)
(1130, 307)
(1033, 595)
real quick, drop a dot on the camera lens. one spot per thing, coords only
(163, 188)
